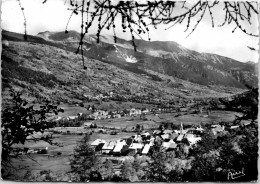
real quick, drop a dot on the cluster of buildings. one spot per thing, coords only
(102, 114)
(143, 142)
(216, 128)
(68, 117)
(170, 140)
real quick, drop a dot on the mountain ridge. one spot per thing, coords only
(167, 57)
(137, 40)
(51, 70)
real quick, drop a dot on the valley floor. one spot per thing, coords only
(60, 164)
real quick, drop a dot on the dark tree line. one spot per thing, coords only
(246, 103)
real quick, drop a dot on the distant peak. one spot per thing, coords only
(44, 32)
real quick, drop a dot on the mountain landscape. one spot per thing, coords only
(121, 94)
(46, 67)
(168, 58)
(85, 106)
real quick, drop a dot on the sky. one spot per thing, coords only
(53, 16)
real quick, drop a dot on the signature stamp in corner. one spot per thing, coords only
(235, 175)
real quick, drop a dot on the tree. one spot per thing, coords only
(130, 171)
(208, 144)
(20, 122)
(143, 116)
(203, 168)
(84, 160)
(249, 147)
(157, 167)
(246, 103)
(106, 170)
(138, 128)
(215, 162)
(139, 17)
(126, 170)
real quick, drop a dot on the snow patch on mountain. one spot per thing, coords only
(129, 59)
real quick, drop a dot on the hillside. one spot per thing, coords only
(51, 70)
(168, 58)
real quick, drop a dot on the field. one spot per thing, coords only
(214, 116)
(69, 141)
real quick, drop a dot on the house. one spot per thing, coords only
(167, 131)
(88, 124)
(119, 146)
(72, 117)
(192, 138)
(117, 116)
(157, 132)
(196, 131)
(145, 111)
(97, 142)
(136, 146)
(179, 138)
(165, 136)
(232, 127)
(135, 112)
(146, 149)
(99, 115)
(132, 112)
(217, 128)
(108, 147)
(145, 134)
(171, 145)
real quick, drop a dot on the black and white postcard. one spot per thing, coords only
(129, 91)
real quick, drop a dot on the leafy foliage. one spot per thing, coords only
(20, 121)
(246, 103)
(214, 164)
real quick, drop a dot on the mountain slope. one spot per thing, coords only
(168, 58)
(50, 70)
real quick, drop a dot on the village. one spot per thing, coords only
(141, 143)
(134, 131)
(168, 140)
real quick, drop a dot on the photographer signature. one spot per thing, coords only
(235, 175)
